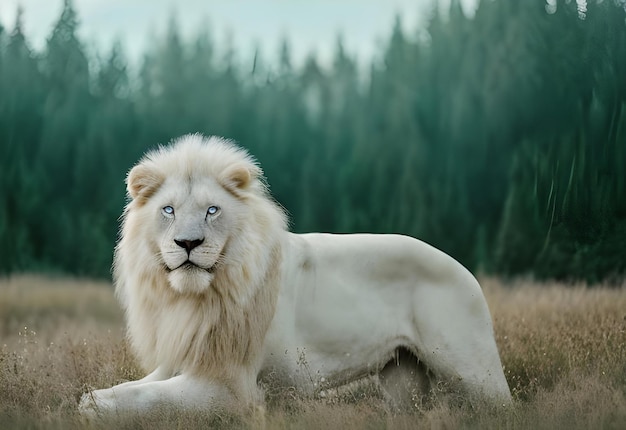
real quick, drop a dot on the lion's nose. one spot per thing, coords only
(188, 244)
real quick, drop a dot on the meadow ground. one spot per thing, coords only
(563, 349)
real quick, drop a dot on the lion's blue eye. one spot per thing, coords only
(168, 210)
(212, 210)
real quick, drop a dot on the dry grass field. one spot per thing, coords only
(563, 348)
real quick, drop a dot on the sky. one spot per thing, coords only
(309, 25)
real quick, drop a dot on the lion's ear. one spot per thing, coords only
(240, 176)
(142, 182)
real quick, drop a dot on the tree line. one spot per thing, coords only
(499, 138)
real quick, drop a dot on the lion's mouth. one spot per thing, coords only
(191, 266)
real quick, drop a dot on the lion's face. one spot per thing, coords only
(191, 213)
(192, 221)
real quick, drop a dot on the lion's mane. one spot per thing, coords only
(220, 331)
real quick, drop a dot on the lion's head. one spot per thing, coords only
(197, 208)
(198, 256)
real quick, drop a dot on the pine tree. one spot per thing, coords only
(20, 129)
(66, 113)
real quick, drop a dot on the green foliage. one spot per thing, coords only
(498, 138)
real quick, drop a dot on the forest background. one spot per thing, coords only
(499, 138)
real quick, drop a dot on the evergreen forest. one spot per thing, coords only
(499, 137)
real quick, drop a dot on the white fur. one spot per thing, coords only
(304, 309)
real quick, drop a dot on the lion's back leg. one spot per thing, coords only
(454, 337)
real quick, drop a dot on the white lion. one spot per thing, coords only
(219, 296)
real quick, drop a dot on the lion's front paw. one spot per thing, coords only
(87, 406)
(94, 403)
